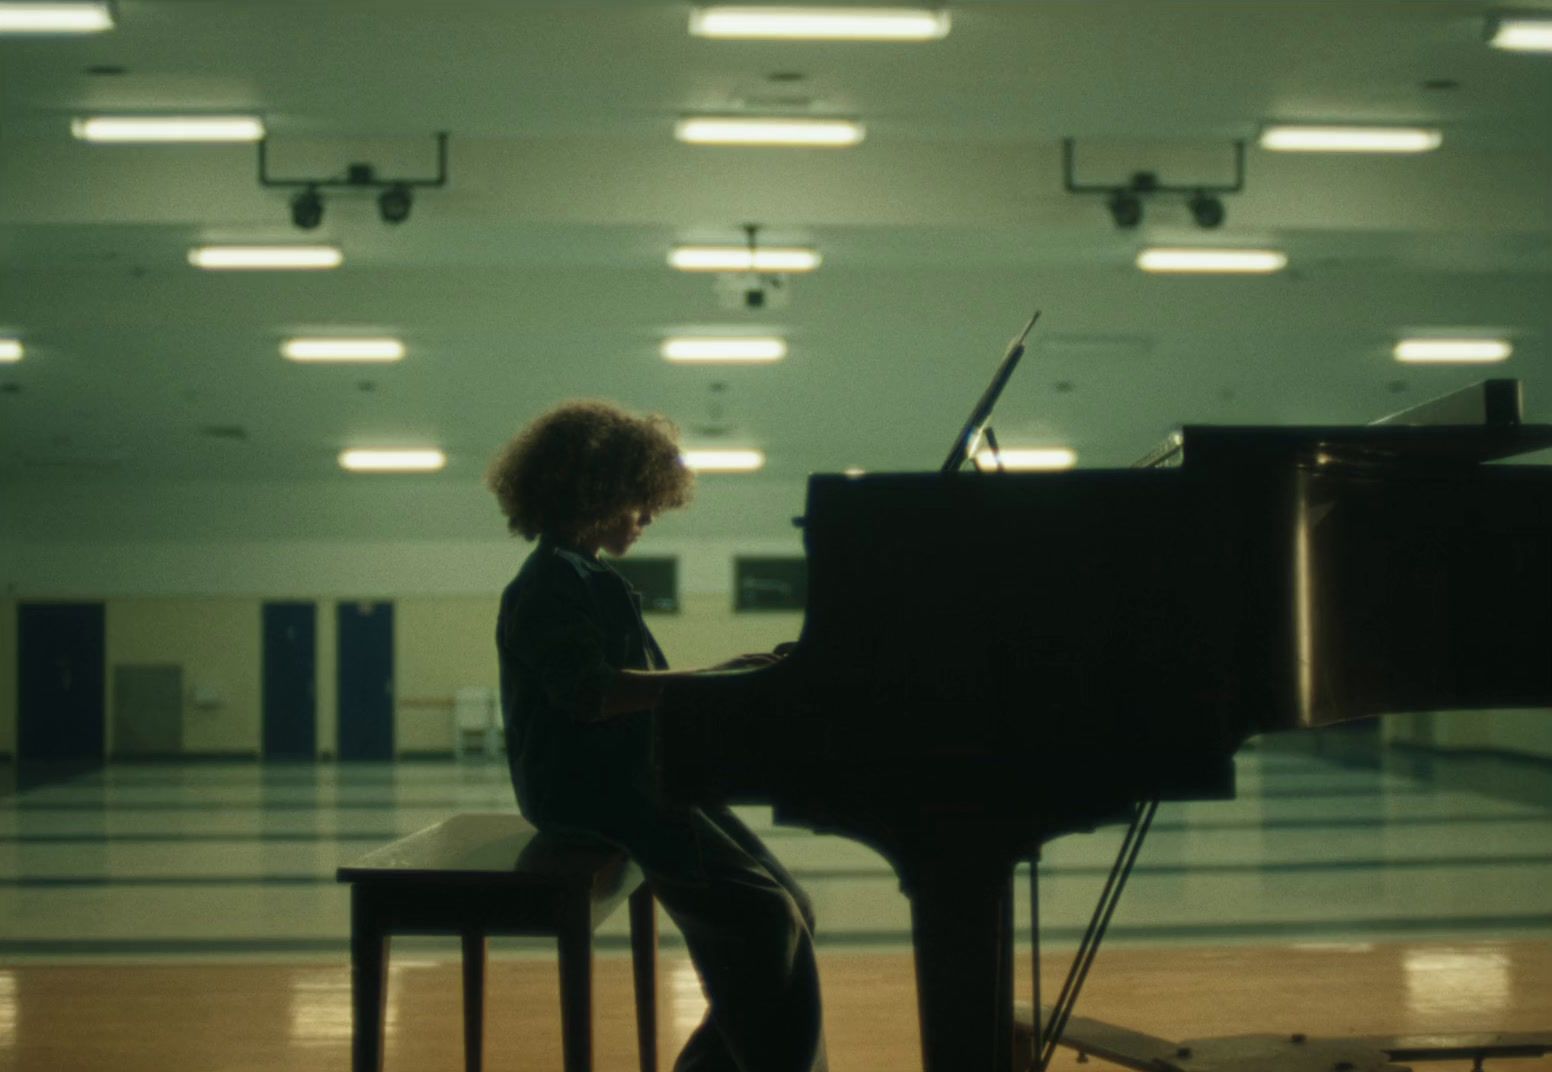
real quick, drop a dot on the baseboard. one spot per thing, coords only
(185, 757)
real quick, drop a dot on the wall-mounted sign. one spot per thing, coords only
(657, 579)
(770, 583)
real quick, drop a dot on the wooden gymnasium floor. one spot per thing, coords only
(284, 1017)
(184, 917)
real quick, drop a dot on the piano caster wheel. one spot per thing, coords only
(1083, 1059)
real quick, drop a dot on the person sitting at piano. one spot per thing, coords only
(580, 673)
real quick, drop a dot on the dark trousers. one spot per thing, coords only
(748, 925)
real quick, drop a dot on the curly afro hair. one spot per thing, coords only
(583, 464)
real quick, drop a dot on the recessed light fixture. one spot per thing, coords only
(392, 461)
(343, 349)
(260, 258)
(1350, 139)
(769, 130)
(739, 350)
(740, 259)
(723, 461)
(1208, 261)
(56, 17)
(1521, 33)
(1467, 351)
(821, 23)
(1026, 459)
(11, 351)
(169, 128)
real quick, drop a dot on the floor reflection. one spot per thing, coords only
(1477, 981)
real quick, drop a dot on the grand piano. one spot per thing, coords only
(990, 660)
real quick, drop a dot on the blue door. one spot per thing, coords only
(290, 680)
(61, 681)
(366, 681)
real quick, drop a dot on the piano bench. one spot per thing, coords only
(476, 875)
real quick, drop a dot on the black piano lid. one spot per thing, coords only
(1475, 424)
(1359, 444)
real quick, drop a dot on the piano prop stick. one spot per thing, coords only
(990, 660)
(969, 436)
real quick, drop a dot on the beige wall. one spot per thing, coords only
(438, 646)
(706, 631)
(327, 669)
(443, 642)
(8, 671)
(218, 644)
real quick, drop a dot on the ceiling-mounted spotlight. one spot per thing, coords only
(394, 199)
(307, 209)
(757, 286)
(394, 203)
(1125, 208)
(1206, 210)
(1125, 202)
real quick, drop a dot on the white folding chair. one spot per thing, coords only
(475, 718)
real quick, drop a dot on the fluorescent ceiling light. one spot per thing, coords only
(1522, 34)
(10, 351)
(392, 461)
(147, 128)
(343, 349)
(1212, 260)
(55, 18)
(734, 130)
(265, 257)
(1453, 351)
(1044, 458)
(821, 23)
(1333, 139)
(723, 461)
(739, 259)
(743, 349)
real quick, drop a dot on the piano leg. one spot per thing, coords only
(960, 924)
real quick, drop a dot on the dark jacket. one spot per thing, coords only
(568, 624)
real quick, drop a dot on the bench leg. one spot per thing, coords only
(473, 1001)
(368, 983)
(575, 940)
(643, 930)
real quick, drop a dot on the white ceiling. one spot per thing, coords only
(539, 272)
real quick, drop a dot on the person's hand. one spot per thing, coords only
(752, 661)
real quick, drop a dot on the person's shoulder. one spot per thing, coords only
(548, 568)
(583, 566)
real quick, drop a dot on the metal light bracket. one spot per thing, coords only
(1125, 200)
(357, 176)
